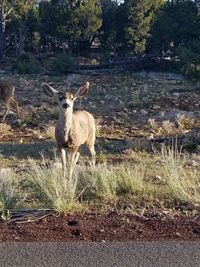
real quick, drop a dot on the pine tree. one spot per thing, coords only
(141, 14)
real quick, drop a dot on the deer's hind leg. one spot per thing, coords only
(92, 153)
(6, 111)
(90, 143)
(15, 105)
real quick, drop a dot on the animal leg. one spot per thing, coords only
(17, 108)
(76, 158)
(6, 112)
(93, 155)
(73, 159)
(63, 159)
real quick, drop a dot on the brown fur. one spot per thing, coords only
(7, 96)
(73, 129)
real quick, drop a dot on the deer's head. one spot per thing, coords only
(66, 99)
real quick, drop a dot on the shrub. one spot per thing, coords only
(52, 187)
(182, 182)
(63, 64)
(191, 71)
(27, 64)
(190, 60)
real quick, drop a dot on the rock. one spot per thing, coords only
(108, 97)
(125, 110)
(17, 122)
(176, 94)
(162, 114)
(23, 82)
(143, 112)
(156, 107)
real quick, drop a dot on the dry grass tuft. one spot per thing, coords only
(4, 128)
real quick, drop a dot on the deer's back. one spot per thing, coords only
(6, 91)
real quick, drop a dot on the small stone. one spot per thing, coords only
(143, 112)
(156, 107)
(162, 114)
(176, 94)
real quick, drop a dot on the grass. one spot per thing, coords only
(161, 179)
(184, 184)
(139, 181)
(59, 192)
(8, 190)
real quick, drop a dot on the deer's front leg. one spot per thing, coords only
(74, 155)
(63, 159)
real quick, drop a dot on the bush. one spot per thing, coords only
(63, 64)
(27, 64)
(191, 71)
(190, 60)
(53, 188)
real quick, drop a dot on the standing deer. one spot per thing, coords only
(7, 96)
(73, 129)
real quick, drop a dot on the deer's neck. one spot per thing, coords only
(65, 121)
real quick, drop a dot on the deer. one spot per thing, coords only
(7, 96)
(73, 128)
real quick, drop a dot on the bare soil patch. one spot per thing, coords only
(102, 228)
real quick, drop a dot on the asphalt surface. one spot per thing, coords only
(171, 254)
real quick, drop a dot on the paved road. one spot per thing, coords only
(158, 254)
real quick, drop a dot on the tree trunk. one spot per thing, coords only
(21, 38)
(1, 41)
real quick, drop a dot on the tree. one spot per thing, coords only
(19, 21)
(88, 15)
(177, 27)
(70, 23)
(6, 8)
(107, 32)
(176, 24)
(140, 16)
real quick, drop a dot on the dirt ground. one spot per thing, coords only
(102, 228)
(122, 106)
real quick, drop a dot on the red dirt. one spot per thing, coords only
(102, 228)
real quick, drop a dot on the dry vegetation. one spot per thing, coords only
(143, 121)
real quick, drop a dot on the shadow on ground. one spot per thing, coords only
(32, 150)
(103, 145)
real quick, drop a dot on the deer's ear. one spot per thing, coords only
(83, 90)
(49, 90)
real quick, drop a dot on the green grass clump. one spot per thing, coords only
(183, 183)
(8, 190)
(58, 191)
(139, 181)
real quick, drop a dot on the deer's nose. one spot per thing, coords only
(65, 105)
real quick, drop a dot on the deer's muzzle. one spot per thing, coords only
(65, 105)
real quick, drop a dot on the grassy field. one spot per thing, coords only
(147, 146)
